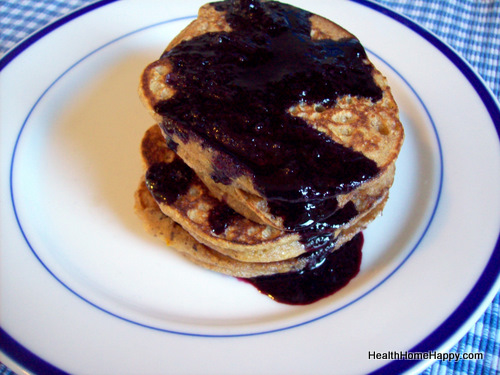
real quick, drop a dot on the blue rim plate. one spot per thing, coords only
(378, 281)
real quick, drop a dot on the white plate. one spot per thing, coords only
(84, 289)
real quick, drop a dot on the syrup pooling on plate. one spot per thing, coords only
(234, 90)
(325, 274)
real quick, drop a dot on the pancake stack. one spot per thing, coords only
(274, 143)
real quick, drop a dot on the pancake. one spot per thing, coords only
(173, 235)
(369, 128)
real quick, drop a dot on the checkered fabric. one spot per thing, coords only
(4, 370)
(471, 27)
(483, 337)
(18, 19)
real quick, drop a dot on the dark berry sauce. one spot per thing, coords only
(326, 273)
(168, 181)
(220, 217)
(234, 89)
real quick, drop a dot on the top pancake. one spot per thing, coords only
(370, 128)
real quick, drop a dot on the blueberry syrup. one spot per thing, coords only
(326, 273)
(220, 217)
(168, 181)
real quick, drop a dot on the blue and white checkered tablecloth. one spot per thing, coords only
(471, 27)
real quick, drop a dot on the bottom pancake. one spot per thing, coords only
(163, 227)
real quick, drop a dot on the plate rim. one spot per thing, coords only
(472, 305)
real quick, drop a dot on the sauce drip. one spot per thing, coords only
(234, 91)
(326, 273)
